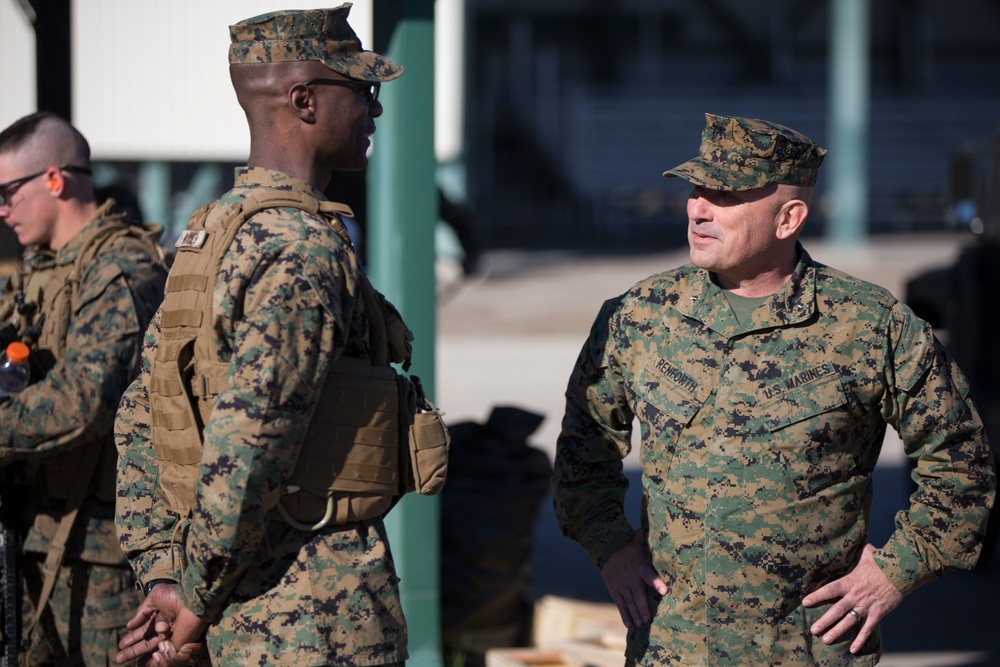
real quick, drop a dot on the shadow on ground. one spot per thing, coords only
(958, 612)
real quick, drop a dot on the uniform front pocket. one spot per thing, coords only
(666, 402)
(815, 397)
(809, 428)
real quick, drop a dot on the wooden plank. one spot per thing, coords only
(559, 619)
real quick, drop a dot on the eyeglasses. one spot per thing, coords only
(369, 88)
(10, 188)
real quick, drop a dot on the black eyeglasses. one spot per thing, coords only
(369, 88)
(10, 188)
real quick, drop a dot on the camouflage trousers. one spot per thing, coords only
(86, 614)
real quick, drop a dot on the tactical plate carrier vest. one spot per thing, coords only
(40, 311)
(39, 314)
(351, 466)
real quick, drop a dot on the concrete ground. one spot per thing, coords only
(510, 336)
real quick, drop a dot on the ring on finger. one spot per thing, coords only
(855, 614)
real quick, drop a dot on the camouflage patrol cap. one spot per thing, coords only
(309, 34)
(746, 153)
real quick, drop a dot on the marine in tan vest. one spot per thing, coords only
(89, 286)
(265, 438)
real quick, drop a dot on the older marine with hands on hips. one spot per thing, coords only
(762, 382)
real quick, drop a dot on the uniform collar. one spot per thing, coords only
(253, 177)
(795, 302)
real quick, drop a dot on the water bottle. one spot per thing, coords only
(14, 369)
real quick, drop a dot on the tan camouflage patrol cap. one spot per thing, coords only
(309, 34)
(746, 153)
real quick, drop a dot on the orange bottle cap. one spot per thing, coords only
(17, 351)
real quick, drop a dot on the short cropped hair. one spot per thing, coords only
(21, 130)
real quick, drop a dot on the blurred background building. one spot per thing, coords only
(554, 118)
(576, 108)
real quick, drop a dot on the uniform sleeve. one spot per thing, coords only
(287, 330)
(928, 403)
(75, 402)
(145, 525)
(588, 484)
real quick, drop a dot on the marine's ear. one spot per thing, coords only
(302, 102)
(56, 181)
(792, 218)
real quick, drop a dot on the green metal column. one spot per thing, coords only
(154, 192)
(847, 161)
(402, 211)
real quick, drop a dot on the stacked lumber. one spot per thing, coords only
(560, 619)
(568, 633)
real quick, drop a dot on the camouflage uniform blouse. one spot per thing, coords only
(73, 405)
(758, 445)
(286, 304)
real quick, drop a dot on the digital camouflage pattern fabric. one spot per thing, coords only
(316, 34)
(286, 303)
(758, 443)
(90, 601)
(67, 416)
(747, 153)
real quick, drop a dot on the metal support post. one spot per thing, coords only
(847, 162)
(402, 207)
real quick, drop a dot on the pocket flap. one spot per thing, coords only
(671, 390)
(814, 397)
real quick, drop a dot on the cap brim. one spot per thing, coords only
(693, 170)
(365, 66)
(699, 171)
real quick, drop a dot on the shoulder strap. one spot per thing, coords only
(262, 199)
(57, 547)
(209, 234)
(377, 330)
(265, 198)
(259, 200)
(84, 259)
(332, 211)
(211, 231)
(106, 236)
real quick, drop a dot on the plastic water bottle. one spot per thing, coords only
(14, 369)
